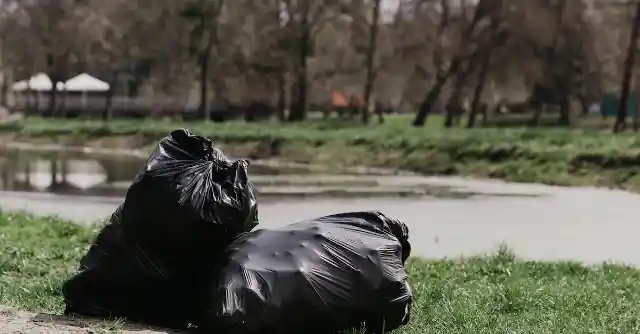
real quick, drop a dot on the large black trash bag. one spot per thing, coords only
(185, 205)
(318, 276)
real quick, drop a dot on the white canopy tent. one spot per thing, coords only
(20, 86)
(86, 83)
(38, 82)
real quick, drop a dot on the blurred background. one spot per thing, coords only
(493, 62)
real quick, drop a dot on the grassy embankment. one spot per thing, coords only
(553, 156)
(497, 294)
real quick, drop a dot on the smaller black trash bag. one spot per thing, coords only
(188, 185)
(318, 276)
(185, 205)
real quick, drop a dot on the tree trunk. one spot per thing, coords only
(4, 91)
(477, 93)
(629, 64)
(564, 77)
(636, 120)
(380, 114)
(441, 79)
(485, 114)
(51, 109)
(64, 170)
(550, 57)
(564, 118)
(538, 110)
(30, 102)
(107, 113)
(299, 110)
(54, 171)
(438, 48)
(452, 108)
(27, 173)
(453, 105)
(371, 52)
(282, 97)
(430, 100)
(204, 74)
(484, 69)
(53, 98)
(37, 103)
(299, 113)
(584, 104)
(63, 104)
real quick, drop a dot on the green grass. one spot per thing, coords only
(546, 155)
(496, 294)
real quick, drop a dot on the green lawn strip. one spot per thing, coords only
(544, 155)
(495, 294)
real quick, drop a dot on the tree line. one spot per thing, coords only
(421, 56)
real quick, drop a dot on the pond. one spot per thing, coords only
(79, 173)
(74, 173)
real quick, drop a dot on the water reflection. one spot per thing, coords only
(74, 173)
(67, 173)
(82, 174)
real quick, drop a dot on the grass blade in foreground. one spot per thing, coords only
(498, 294)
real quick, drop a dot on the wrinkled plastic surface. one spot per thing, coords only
(317, 276)
(185, 205)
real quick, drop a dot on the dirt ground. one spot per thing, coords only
(12, 321)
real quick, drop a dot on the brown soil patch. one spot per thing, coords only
(12, 321)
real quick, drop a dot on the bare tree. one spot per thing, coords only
(51, 24)
(629, 65)
(371, 53)
(203, 15)
(496, 38)
(110, 29)
(459, 59)
(304, 19)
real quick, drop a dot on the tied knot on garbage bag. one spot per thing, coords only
(180, 250)
(184, 206)
(188, 179)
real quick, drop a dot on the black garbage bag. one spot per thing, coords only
(185, 205)
(318, 276)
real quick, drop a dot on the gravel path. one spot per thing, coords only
(537, 222)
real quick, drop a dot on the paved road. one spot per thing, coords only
(538, 222)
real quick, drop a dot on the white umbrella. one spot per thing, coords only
(86, 83)
(20, 86)
(38, 82)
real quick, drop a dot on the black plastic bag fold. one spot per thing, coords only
(185, 205)
(317, 276)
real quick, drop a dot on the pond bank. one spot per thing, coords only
(567, 157)
(127, 147)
